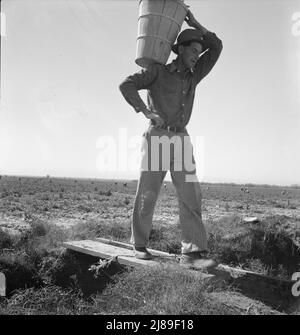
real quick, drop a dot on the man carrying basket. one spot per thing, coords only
(171, 91)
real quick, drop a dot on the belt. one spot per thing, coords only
(175, 129)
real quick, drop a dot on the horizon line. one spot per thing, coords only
(136, 179)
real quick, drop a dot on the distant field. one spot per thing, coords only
(67, 201)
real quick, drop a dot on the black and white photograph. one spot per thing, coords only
(149, 160)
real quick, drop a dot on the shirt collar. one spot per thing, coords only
(172, 67)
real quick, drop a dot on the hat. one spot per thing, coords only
(189, 35)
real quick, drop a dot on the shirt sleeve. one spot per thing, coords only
(207, 61)
(138, 81)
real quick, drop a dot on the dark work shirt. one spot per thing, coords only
(170, 93)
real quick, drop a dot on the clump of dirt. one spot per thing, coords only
(6, 241)
(19, 270)
(60, 270)
(72, 270)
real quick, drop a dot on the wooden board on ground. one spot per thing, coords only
(107, 249)
(129, 247)
(124, 255)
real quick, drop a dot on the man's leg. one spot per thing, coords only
(194, 236)
(147, 192)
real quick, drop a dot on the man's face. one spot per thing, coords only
(190, 54)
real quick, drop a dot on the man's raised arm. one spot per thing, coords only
(207, 61)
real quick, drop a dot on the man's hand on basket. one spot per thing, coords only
(192, 22)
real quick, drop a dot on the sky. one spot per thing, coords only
(62, 113)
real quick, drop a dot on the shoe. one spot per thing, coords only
(142, 253)
(196, 260)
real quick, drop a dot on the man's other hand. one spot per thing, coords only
(156, 118)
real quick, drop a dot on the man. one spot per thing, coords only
(171, 90)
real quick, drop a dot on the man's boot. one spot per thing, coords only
(142, 253)
(196, 260)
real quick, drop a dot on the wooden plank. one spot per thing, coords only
(124, 256)
(233, 271)
(102, 250)
(120, 248)
(129, 247)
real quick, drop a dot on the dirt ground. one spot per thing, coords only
(67, 202)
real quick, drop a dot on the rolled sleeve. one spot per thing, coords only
(138, 81)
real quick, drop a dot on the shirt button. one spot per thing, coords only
(183, 92)
(183, 105)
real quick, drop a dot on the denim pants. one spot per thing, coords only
(175, 153)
